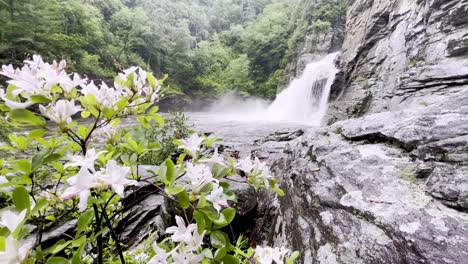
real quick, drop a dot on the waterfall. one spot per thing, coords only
(306, 98)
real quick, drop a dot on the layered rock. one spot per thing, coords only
(390, 187)
(387, 182)
(401, 54)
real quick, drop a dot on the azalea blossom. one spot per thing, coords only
(196, 242)
(192, 144)
(116, 177)
(3, 180)
(67, 83)
(14, 104)
(161, 255)
(14, 253)
(35, 77)
(246, 165)
(106, 132)
(61, 112)
(215, 159)
(142, 258)
(11, 220)
(199, 176)
(81, 185)
(139, 77)
(181, 232)
(187, 257)
(105, 96)
(266, 255)
(218, 198)
(86, 161)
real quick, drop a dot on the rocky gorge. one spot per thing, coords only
(387, 180)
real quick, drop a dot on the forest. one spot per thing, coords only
(206, 47)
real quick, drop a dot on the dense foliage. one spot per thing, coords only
(66, 169)
(207, 47)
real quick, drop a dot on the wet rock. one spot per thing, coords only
(410, 53)
(390, 187)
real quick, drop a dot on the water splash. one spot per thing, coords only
(305, 101)
(306, 98)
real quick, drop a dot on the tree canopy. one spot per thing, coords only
(207, 47)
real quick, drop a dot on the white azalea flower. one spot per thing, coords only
(13, 104)
(8, 71)
(11, 220)
(218, 198)
(187, 257)
(266, 255)
(199, 176)
(116, 177)
(246, 165)
(142, 258)
(105, 96)
(67, 83)
(3, 180)
(161, 255)
(215, 159)
(106, 132)
(61, 112)
(196, 242)
(192, 144)
(263, 171)
(81, 184)
(86, 161)
(13, 254)
(181, 232)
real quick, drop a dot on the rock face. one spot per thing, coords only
(389, 187)
(387, 181)
(401, 54)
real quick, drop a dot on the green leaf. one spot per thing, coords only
(78, 242)
(278, 191)
(220, 253)
(57, 260)
(200, 219)
(159, 119)
(40, 99)
(41, 203)
(218, 240)
(77, 256)
(84, 221)
(26, 117)
(151, 80)
(214, 216)
(85, 114)
(52, 157)
(60, 245)
(2, 243)
(170, 171)
(229, 214)
(21, 198)
(230, 259)
(184, 200)
(37, 133)
(174, 190)
(293, 257)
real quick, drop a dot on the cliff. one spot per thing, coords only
(387, 181)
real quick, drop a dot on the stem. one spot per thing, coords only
(86, 140)
(114, 236)
(99, 238)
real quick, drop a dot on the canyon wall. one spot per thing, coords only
(387, 180)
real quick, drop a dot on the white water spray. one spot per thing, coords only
(306, 98)
(305, 101)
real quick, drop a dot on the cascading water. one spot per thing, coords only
(306, 98)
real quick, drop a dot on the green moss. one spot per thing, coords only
(365, 85)
(408, 173)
